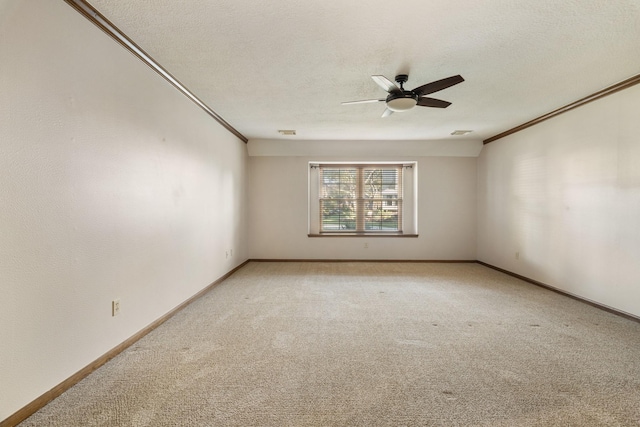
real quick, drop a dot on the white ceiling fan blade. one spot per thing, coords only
(366, 101)
(387, 113)
(385, 83)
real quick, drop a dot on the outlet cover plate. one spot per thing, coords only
(115, 307)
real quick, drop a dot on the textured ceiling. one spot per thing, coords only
(288, 64)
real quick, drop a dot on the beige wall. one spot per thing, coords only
(565, 194)
(113, 185)
(278, 199)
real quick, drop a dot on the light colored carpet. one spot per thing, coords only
(369, 344)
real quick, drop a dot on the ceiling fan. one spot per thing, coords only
(400, 99)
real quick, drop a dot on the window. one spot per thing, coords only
(360, 199)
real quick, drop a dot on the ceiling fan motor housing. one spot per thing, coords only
(401, 101)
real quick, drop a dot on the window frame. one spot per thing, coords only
(405, 201)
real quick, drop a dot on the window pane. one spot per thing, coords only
(380, 182)
(338, 215)
(338, 204)
(339, 183)
(380, 216)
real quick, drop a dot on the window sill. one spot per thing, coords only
(362, 235)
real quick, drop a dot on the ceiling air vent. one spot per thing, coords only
(287, 132)
(460, 132)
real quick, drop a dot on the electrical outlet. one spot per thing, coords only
(517, 255)
(115, 307)
(366, 246)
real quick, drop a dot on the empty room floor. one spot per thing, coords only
(369, 344)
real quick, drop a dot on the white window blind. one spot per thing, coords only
(360, 198)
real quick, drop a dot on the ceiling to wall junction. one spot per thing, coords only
(265, 66)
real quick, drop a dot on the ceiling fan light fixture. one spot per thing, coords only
(401, 104)
(400, 100)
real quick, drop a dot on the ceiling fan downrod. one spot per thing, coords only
(402, 79)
